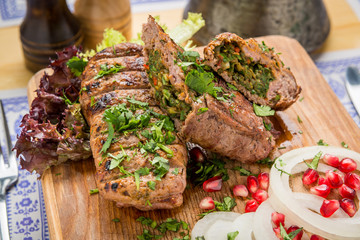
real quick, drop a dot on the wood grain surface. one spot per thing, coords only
(74, 214)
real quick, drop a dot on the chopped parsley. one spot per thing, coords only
(161, 166)
(140, 172)
(151, 185)
(76, 65)
(266, 161)
(299, 119)
(106, 69)
(232, 235)
(115, 220)
(315, 162)
(231, 86)
(94, 191)
(202, 110)
(226, 205)
(267, 125)
(301, 99)
(147, 221)
(322, 143)
(265, 48)
(212, 167)
(176, 171)
(200, 81)
(200, 238)
(147, 236)
(344, 145)
(243, 171)
(263, 111)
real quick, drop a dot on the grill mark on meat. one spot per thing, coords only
(216, 129)
(112, 90)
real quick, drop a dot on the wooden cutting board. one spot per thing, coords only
(74, 214)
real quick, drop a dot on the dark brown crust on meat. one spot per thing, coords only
(240, 136)
(113, 90)
(284, 85)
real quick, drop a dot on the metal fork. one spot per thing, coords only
(8, 173)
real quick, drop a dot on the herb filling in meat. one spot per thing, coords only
(254, 76)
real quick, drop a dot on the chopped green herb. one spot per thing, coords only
(151, 185)
(288, 236)
(161, 166)
(172, 225)
(115, 220)
(148, 203)
(147, 221)
(57, 174)
(263, 111)
(106, 70)
(315, 162)
(125, 173)
(243, 171)
(231, 86)
(116, 160)
(279, 148)
(231, 113)
(267, 125)
(281, 170)
(301, 99)
(94, 191)
(232, 235)
(200, 81)
(147, 236)
(265, 48)
(140, 172)
(109, 139)
(202, 110)
(76, 65)
(266, 161)
(176, 171)
(201, 215)
(92, 101)
(299, 119)
(322, 143)
(300, 132)
(227, 205)
(344, 145)
(212, 167)
(136, 102)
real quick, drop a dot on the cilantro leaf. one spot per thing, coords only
(94, 191)
(140, 172)
(141, 104)
(146, 235)
(76, 65)
(315, 162)
(227, 205)
(200, 81)
(151, 185)
(263, 111)
(161, 166)
(232, 235)
(231, 86)
(147, 221)
(243, 171)
(202, 110)
(106, 70)
(109, 139)
(267, 161)
(322, 143)
(344, 145)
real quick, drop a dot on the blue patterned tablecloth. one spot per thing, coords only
(25, 204)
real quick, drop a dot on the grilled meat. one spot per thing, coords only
(139, 159)
(254, 69)
(224, 122)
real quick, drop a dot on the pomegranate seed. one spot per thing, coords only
(328, 207)
(346, 192)
(310, 176)
(348, 206)
(240, 191)
(263, 179)
(278, 232)
(323, 181)
(278, 218)
(197, 155)
(260, 195)
(352, 180)
(331, 160)
(294, 228)
(347, 165)
(334, 178)
(252, 184)
(251, 206)
(213, 184)
(316, 237)
(322, 190)
(207, 203)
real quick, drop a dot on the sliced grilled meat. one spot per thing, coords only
(254, 69)
(139, 159)
(223, 122)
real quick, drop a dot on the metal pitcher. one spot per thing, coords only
(305, 20)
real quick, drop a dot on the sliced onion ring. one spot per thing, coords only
(283, 200)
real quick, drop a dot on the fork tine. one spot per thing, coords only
(4, 128)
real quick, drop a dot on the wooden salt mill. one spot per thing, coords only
(96, 15)
(48, 26)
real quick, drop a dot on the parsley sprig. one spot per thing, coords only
(106, 69)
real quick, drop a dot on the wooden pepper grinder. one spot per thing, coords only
(48, 26)
(96, 15)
